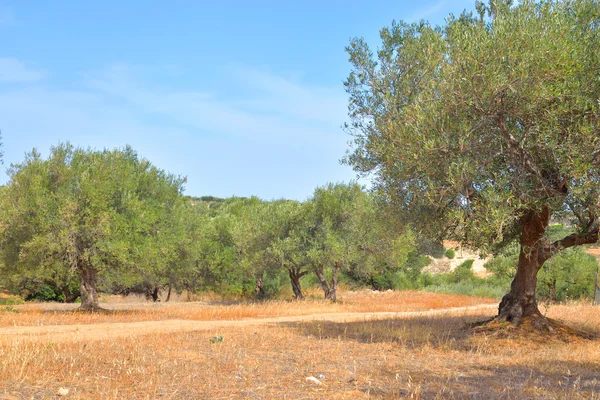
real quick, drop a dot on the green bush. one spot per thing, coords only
(572, 272)
(11, 301)
(464, 272)
(44, 292)
(450, 253)
(475, 289)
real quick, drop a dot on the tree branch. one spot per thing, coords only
(590, 236)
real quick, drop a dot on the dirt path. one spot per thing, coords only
(102, 331)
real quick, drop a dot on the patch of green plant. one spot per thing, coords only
(450, 253)
(464, 272)
(11, 301)
(474, 289)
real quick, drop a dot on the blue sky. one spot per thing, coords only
(243, 98)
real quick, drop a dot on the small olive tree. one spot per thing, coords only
(86, 211)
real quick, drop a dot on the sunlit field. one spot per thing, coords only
(419, 354)
(211, 308)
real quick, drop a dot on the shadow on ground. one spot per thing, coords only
(545, 380)
(438, 331)
(438, 358)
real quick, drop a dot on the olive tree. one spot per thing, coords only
(336, 232)
(91, 212)
(485, 128)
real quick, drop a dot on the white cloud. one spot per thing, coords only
(13, 70)
(275, 106)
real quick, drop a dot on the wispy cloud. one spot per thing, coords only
(272, 107)
(13, 70)
(280, 138)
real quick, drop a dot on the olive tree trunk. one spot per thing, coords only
(295, 275)
(329, 288)
(155, 294)
(89, 293)
(168, 294)
(259, 289)
(521, 301)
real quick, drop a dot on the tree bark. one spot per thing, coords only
(329, 288)
(295, 276)
(71, 297)
(333, 284)
(168, 294)
(89, 293)
(521, 301)
(68, 295)
(259, 289)
(322, 280)
(155, 294)
(552, 291)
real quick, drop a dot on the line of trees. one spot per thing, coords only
(83, 220)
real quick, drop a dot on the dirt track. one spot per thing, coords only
(102, 331)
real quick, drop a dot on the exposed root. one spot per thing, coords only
(534, 328)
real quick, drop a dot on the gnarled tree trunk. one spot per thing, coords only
(295, 275)
(329, 288)
(259, 289)
(155, 294)
(168, 294)
(521, 301)
(89, 293)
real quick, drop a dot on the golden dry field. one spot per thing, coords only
(369, 345)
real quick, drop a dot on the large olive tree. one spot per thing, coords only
(485, 128)
(90, 212)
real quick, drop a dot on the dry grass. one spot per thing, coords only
(418, 357)
(593, 251)
(209, 310)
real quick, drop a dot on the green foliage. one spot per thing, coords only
(45, 292)
(466, 125)
(504, 264)
(464, 272)
(433, 248)
(89, 213)
(477, 288)
(450, 253)
(11, 301)
(573, 274)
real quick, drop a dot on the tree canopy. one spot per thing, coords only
(87, 213)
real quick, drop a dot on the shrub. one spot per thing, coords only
(464, 272)
(450, 253)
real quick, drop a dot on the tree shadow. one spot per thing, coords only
(436, 331)
(547, 379)
(451, 364)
